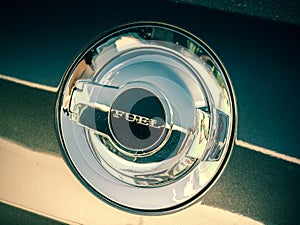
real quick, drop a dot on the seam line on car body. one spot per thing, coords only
(266, 151)
(29, 84)
(240, 143)
(46, 215)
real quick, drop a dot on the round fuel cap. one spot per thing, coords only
(146, 117)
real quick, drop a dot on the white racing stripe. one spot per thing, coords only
(265, 151)
(29, 84)
(42, 183)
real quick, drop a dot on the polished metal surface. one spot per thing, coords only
(147, 118)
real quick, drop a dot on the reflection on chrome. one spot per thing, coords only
(148, 111)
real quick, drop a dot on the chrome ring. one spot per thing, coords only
(146, 117)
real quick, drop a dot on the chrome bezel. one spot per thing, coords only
(232, 130)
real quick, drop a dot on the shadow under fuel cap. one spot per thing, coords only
(146, 117)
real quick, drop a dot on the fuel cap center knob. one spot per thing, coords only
(137, 120)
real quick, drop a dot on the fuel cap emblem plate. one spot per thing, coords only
(132, 122)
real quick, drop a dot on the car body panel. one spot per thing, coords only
(39, 42)
(49, 187)
(258, 55)
(249, 186)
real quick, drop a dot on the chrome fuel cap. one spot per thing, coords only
(146, 117)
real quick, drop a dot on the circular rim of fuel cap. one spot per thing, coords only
(179, 75)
